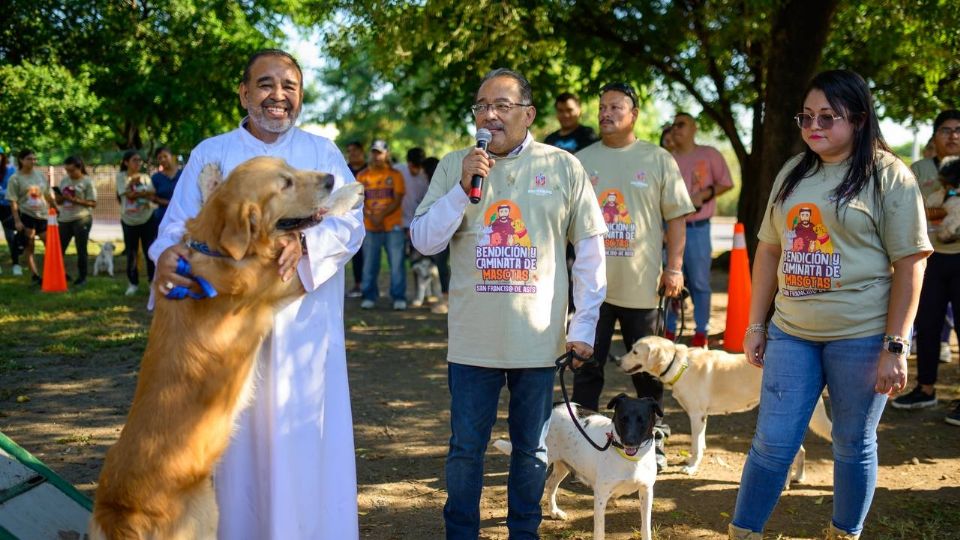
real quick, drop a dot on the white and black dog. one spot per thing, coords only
(628, 466)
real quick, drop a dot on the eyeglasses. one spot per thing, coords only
(947, 131)
(500, 107)
(825, 121)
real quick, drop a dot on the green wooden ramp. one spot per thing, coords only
(35, 503)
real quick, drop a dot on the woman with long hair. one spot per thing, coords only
(76, 197)
(841, 251)
(29, 196)
(136, 216)
(164, 181)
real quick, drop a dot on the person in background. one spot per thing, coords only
(383, 218)
(136, 216)
(865, 210)
(6, 214)
(29, 195)
(164, 181)
(76, 197)
(666, 138)
(706, 176)
(571, 136)
(941, 282)
(415, 185)
(356, 162)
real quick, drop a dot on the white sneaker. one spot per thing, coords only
(945, 354)
(367, 304)
(399, 305)
(131, 290)
(17, 271)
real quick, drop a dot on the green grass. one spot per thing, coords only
(94, 321)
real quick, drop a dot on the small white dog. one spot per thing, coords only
(427, 277)
(628, 466)
(104, 261)
(706, 382)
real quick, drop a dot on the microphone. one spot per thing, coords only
(476, 183)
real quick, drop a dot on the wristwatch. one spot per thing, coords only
(896, 345)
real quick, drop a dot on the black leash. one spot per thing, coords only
(661, 326)
(565, 361)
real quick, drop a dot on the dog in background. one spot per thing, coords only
(706, 382)
(628, 466)
(197, 370)
(104, 260)
(948, 198)
(426, 275)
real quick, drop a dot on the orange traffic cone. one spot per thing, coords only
(54, 275)
(738, 293)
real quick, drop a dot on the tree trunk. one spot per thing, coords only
(798, 35)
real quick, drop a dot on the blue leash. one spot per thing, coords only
(180, 292)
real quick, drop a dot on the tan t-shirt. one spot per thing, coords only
(139, 210)
(508, 286)
(638, 187)
(81, 188)
(835, 271)
(928, 179)
(29, 190)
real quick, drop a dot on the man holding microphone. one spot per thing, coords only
(507, 301)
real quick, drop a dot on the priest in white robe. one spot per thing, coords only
(289, 472)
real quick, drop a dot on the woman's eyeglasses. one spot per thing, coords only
(825, 121)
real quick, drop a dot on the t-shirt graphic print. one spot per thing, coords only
(505, 259)
(621, 230)
(810, 265)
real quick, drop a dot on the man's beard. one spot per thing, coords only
(273, 125)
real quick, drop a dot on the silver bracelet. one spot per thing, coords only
(672, 271)
(758, 328)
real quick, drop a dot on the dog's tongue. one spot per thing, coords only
(630, 451)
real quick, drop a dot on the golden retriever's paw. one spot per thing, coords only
(210, 177)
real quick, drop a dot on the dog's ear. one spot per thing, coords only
(613, 402)
(239, 230)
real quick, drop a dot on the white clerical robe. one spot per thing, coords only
(289, 472)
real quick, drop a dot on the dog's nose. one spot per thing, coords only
(328, 181)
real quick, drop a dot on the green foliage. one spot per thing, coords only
(46, 106)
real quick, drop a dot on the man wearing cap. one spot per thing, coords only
(706, 176)
(383, 218)
(290, 469)
(642, 182)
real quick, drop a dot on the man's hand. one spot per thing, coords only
(289, 257)
(582, 350)
(891, 373)
(475, 162)
(671, 282)
(376, 219)
(166, 278)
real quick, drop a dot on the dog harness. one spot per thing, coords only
(183, 269)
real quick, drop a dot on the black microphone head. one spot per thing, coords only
(484, 136)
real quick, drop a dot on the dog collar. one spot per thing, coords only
(180, 292)
(202, 247)
(618, 446)
(683, 367)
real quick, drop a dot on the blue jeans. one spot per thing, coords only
(794, 373)
(696, 275)
(373, 243)
(474, 393)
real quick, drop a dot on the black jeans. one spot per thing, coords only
(634, 324)
(79, 229)
(142, 236)
(14, 240)
(941, 284)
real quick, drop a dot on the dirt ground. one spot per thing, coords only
(400, 408)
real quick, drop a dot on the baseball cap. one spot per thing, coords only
(379, 145)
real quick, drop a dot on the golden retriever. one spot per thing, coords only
(197, 369)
